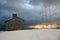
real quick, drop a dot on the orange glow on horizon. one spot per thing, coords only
(44, 26)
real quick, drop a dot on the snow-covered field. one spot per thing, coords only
(36, 34)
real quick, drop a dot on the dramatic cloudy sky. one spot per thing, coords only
(32, 11)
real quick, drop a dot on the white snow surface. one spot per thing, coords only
(35, 34)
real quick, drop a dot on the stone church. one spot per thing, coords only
(15, 23)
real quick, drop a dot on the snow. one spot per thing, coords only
(35, 34)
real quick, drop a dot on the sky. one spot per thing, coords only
(32, 11)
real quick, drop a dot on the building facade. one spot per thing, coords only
(15, 23)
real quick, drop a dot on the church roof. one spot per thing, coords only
(22, 20)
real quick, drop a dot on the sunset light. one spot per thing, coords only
(44, 26)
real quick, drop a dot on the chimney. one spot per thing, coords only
(14, 14)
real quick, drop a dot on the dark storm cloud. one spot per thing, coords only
(32, 11)
(51, 2)
(49, 11)
(35, 2)
(45, 2)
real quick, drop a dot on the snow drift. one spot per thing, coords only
(36, 34)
